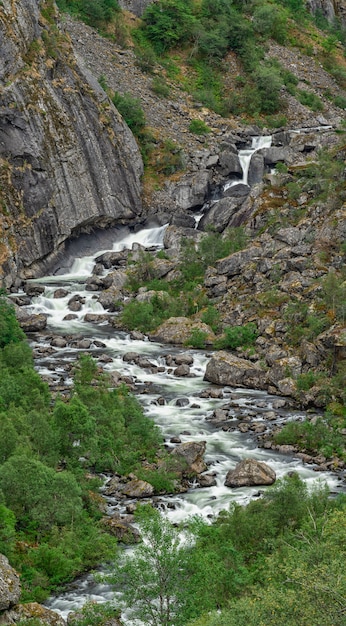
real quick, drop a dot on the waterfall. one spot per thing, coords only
(245, 158)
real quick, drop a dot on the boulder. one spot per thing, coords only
(178, 330)
(138, 489)
(236, 190)
(229, 163)
(33, 323)
(220, 213)
(256, 169)
(26, 613)
(120, 527)
(9, 584)
(235, 263)
(250, 472)
(182, 370)
(191, 454)
(227, 369)
(193, 192)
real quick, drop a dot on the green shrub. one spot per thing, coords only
(237, 336)
(306, 381)
(271, 21)
(160, 87)
(197, 339)
(340, 101)
(168, 23)
(309, 99)
(198, 127)
(10, 332)
(211, 316)
(268, 83)
(131, 110)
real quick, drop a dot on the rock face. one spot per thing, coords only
(227, 369)
(9, 584)
(249, 473)
(69, 163)
(32, 611)
(191, 453)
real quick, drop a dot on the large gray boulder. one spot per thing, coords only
(137, 488)
(178, 330)
(220, 213)
(191, 455)
(235, 263)
(227, 369)
(249, 473)
(9, 584)
(193, 191)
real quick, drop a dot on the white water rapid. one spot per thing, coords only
(245, 156)
(224, 449)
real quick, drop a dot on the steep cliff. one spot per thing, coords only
(68, 161)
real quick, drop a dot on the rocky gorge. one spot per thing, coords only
(71, 179)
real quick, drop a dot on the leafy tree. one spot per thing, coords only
(10, 332)
(38, 495)
(75, 428)
(168, 23)
(153, 578)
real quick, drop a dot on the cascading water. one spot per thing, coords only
(186, 420)
(245, 158)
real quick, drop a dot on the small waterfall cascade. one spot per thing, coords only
(245, 156)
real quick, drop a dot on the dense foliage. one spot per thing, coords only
(49, 519)
(279, 560)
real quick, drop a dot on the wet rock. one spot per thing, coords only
(121, 527)
(256, 169)
(33, 323)
(131, 357)
(191, 455)
(70, 316)
(229, 162)
(206, 480)
(175, 440)
(95, 318)
(182, 370)
(34, 290)
(227, 369)
(75, 304)
(182, 402)
(183, 359)
(82, 344)
(250, 472)
(182, 219)
(59, 342)
(60, 293)
(220, 213)
(238, 190)
(138, 489)
(9, 584)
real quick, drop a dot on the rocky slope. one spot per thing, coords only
(68, 161)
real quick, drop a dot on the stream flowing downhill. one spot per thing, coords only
(186, 419)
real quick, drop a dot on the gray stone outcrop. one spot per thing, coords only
(225, 368)
(31, 611)
(249, 473)
(72, 163)
(191, 455)
(9, 584)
